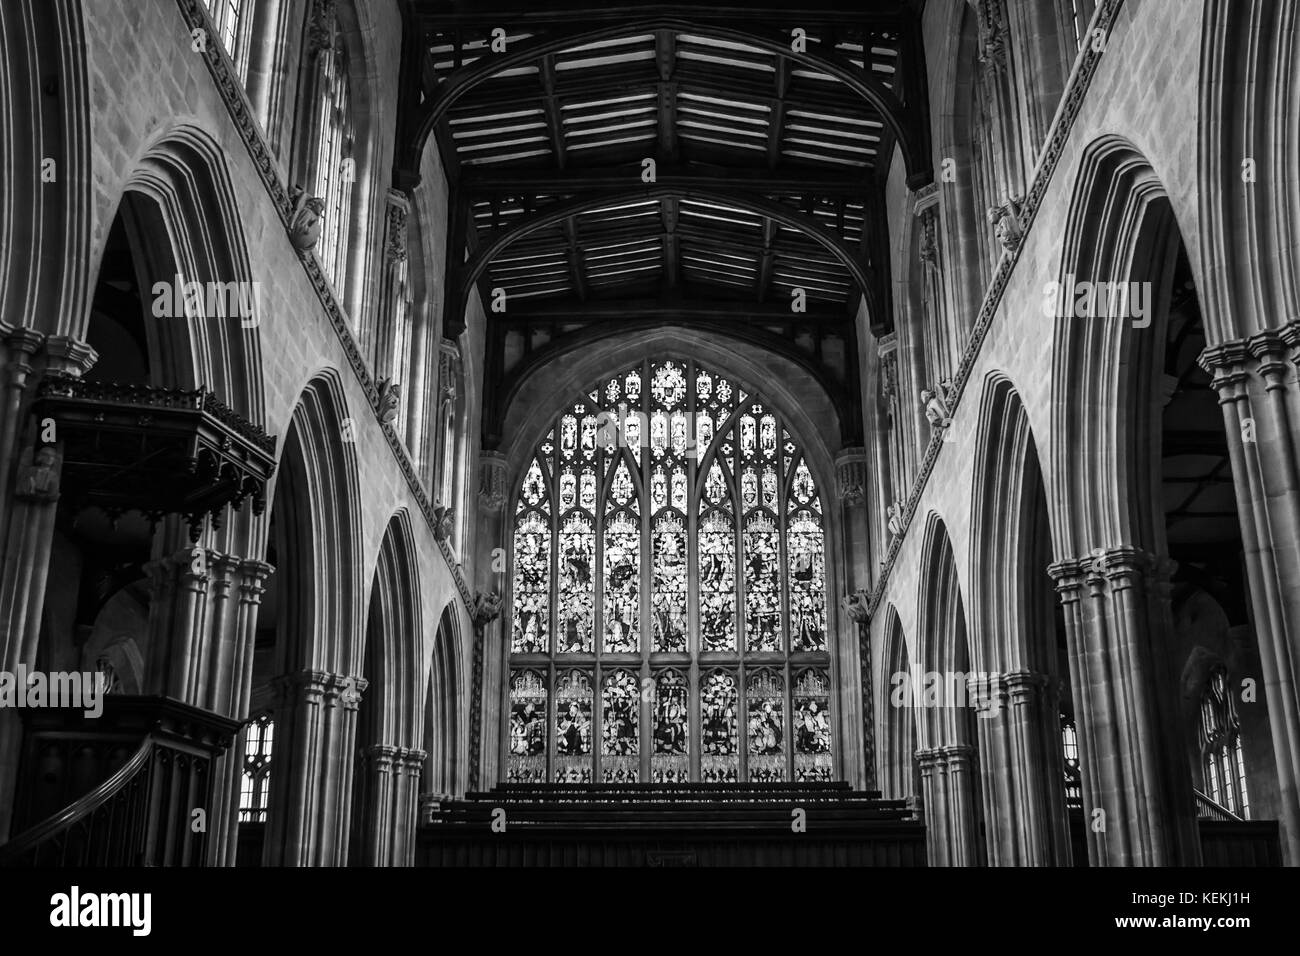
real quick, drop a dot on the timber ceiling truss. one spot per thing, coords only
(638, 165)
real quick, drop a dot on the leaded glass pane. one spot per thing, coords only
(527, 757)
(620, 716)
(719, 751)
(670, 762)
(573, 729)
(812, 732)
(765, 697)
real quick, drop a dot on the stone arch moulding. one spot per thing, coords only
(1120, 229)
(44, 102)
(445, 740)
(184, 175)
(1006, 493)
(317, 487)
(1250, 65)
(395, 621)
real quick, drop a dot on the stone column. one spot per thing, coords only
(233, 697)
(961, 769)
(487, 610)
(378, 795)
(407, 806)
(1137, 788)
(934, 799)
(1258, 391)
(1020, 754)
(852, 653)
(491, 649)
(20, 346)
(341, 699)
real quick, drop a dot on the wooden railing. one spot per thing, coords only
(1208, 809)
(103, 828)
(138, 811)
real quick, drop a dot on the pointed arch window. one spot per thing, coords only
(668, 590)
(233, 22)
(255, 785)
(335, 169)
(1222, 759)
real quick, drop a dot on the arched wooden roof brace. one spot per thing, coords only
(910, 135)
(473, 269)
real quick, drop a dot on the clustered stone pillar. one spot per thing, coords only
(1260, 396)
(948, 786)
(311, 786)
(233, 696)
(27, 515)
(390, 803)
(1137, 798)
(1019, 742)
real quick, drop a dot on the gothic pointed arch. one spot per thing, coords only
(950, 759)
(445, 740)
(1017, 624)
(385, 779)
(899, 774)
(315, 657)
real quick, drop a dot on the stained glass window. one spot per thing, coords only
(669, 618)
(255, 787)
(1222, 760)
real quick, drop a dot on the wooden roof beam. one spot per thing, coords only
(666, 63)
(574, 253)
(776, 119)
(551, 106)
(766, 260)
(668, 211)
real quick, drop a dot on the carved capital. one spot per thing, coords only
(68, 356)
